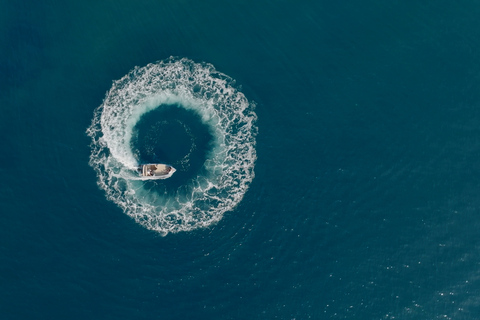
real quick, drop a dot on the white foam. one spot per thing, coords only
(229, 166)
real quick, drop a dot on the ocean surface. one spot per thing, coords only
(327, 155)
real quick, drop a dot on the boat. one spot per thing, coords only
(155, 171)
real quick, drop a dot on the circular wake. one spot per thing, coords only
(227, 170)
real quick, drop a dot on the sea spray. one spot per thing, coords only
(228, 169)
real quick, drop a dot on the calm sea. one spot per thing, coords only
(365, 202)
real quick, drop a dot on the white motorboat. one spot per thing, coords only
(156, 171)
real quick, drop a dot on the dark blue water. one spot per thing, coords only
(365, 203)
(173, 135)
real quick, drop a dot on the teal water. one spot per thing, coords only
(364, 203)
